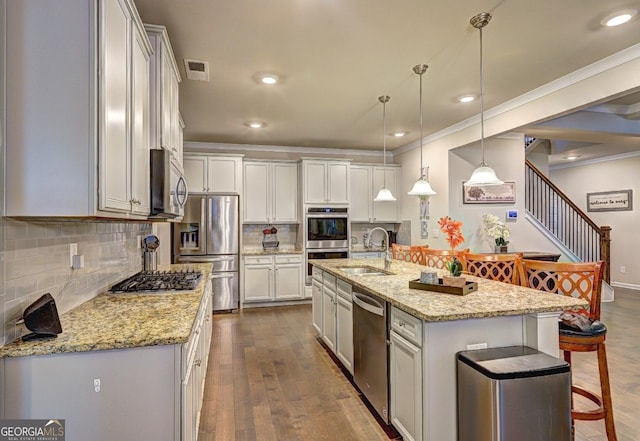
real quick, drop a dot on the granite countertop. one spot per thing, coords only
(121, 321)
(270, 252)
(492, 299)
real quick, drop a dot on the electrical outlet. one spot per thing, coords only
(623, 269)
(96, 385)
(73, 250)
(473, 347)
(139, 242)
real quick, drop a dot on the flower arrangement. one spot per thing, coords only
(453, 230)
(496, 229)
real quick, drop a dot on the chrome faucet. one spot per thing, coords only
(387, 254)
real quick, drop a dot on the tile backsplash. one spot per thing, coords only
(34, 255)
(287, 236)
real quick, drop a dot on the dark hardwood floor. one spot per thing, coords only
(268, 378)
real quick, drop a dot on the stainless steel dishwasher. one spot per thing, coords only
(371, 361)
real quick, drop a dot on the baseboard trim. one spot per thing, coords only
(279, 303)
(625, 285)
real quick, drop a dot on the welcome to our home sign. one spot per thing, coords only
(621, 200)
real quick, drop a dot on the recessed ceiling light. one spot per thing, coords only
(466, 98)
(618, 18)
(255, 124)
(399, 134)
(269, 79)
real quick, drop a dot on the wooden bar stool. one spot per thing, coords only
(408, 253)
(501, 267)
(439, 258)
(581, 332)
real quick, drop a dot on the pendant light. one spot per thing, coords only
(483, 174)
(422, 186)
(384, 195)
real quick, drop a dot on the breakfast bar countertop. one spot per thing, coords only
(492, 299)
(121, 321)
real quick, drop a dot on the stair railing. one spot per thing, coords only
(568, 223)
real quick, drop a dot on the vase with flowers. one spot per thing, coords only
(453, 231)
(498, 230)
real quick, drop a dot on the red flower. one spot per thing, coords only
(453, 230)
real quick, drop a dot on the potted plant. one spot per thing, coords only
(498, 230)
(453, 231)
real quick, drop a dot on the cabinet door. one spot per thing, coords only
(140, 127)
(167, 91)
(284, 193)
(195, 168)
(115, 167)
(288, 281)
(315, 182)
(361, 199)
(256, 192)
(329, 318)
(385, 211)
(258, 283)
(316, 305)
(223, 175)
(406, 387)
(338, 182)
(344, 332)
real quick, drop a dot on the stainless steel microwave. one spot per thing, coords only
(168, 186)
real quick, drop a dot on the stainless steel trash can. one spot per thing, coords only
(513, 393)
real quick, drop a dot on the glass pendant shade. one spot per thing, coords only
(384, 195)
(422, 188)
(483, 174)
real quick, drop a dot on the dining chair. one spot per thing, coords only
(438, 258)
(408, 253)
(580, 331)
(501, 267)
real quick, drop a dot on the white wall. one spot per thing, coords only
(621, 174)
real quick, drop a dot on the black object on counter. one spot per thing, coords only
(41, 318)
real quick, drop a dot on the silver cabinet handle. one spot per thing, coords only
(197, 363)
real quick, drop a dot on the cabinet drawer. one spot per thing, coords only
(408, 326)
(316, 274)
(344, 290)
(289, 258)
(258, 260)
(329, 281)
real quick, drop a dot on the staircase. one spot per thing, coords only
(565, 221)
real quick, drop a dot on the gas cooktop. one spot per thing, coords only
(154, 281)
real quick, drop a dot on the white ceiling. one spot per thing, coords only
(337, 56)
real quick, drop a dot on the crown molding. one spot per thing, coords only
(202, 147)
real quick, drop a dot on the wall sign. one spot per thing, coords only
(489, 194)
(621, 200)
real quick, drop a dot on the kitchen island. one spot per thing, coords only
(496, 315)
(126, 366)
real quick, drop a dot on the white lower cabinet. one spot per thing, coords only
(344, 325)
(316, 299)
(405, 366)
(151, 392)
(329, 310)
(273, 277)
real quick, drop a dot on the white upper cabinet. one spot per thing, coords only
(77, 109)
(166, 124)
(271, 192)
(213, 173)
(366, 181)
(325, 182)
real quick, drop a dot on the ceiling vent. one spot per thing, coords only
(197, 70)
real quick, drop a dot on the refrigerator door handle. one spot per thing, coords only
(204, 237)
(222, 276)
(209, 225)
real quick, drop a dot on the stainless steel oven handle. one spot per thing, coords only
(368, 304)
(327, 250)
(222, 276)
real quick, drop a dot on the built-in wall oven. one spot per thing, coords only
(327, 234)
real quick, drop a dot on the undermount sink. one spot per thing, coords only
(364, 271)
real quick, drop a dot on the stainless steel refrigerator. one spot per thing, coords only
(209, 232)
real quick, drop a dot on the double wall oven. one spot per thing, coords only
(327, 230)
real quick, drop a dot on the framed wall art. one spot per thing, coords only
(489, 194)
(620, 200)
